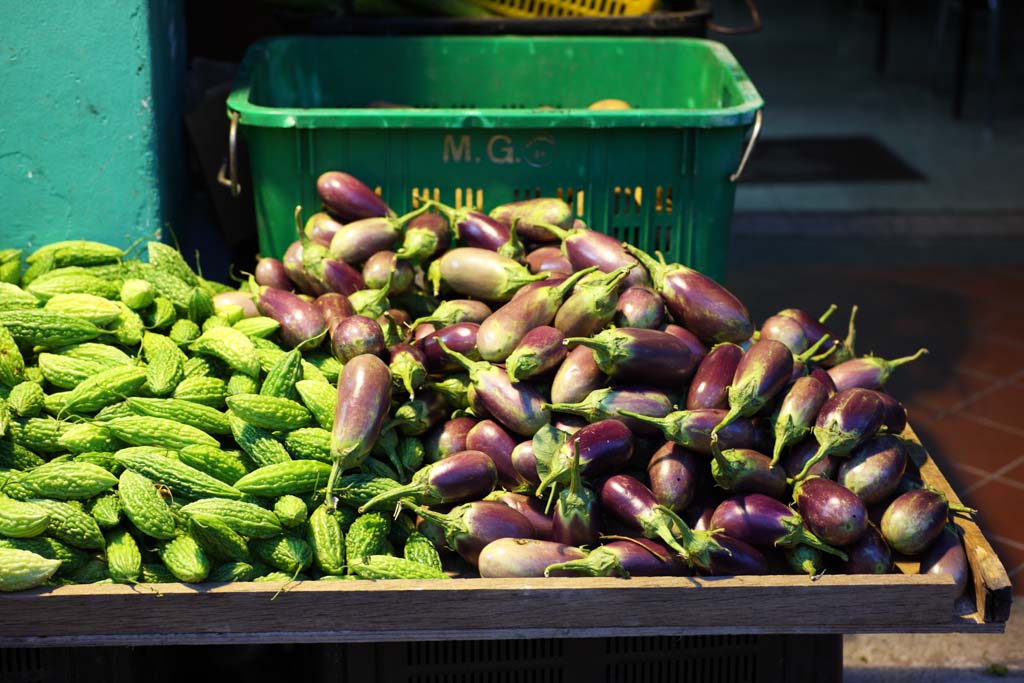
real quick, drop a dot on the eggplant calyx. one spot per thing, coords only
(798, 534)
(564, 287)
(657, 270)
(600, 562)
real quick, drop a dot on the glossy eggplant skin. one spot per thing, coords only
(585, 248)
(449, 437)
(873, 470)
(946, 555)
(489, 437)
(357, 335)
(674, 473)
(868, 555)
(529, 507)
(533, 215)
(710, 385)
(832, 512)
(524, 558)
(798, 412)
(540, 351)
(349, 198)
(460, 337)
(639, 307)
(576, 377)
(301, 322)
(914, 520)
(641, 356)
(736, 558)
(548, 260)
(271, 273)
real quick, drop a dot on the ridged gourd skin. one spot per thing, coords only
(68, 480)
(388, 567)
(243, 518)
(258, 443)
(292, 477)
(176, 475)
(124, 559)
(70, 524)
(21, 569)
(419, 548)
(326, 538)
(185, 559)
(367, 536)
(288, 553)
(21, 520)
(269, 412)
(144, 506)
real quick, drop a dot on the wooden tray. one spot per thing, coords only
(380, 611)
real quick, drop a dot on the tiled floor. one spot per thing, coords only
(966, 398)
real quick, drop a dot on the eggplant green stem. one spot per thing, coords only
(809, 353)
(298, 221)
(823, 318)
(396, 494)
(815, 459)
(405, 218)
(896, 362)
(851, 333)
(564, 287)
(461, 359)
(559, 232)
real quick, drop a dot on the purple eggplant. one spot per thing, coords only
(692, 428)
(334, 308)
(624, 558)
(640, 307)
(454, 388)
(296, 270)
(868, 555)
(480, 273)
(548, 260)
(371, 303)
(533, 215)
(695, 345)
(448, 438)
(460, 337)
(364, 396)
(541, 350)
(710, 385)
(697, 302)
(786, 330)
(469, 528)
(760, 375)
(744, 470)
(847, 420)
(463, 476)
(270, 272)
(795, 458)
(455, 311)
(357, 335)
(577, 376)
(604, 448)
(674, 473)
(632, 504)
(873, 470)
(576, 519)
(342, 278)
(760, 520)
(797, 413)
(868, 372)
(642, 356)
(553, 280)
(321, 228)
(946, 555)
(915, 519)
(585, 248)
(639, 408)
(418, 415)
(821, 374)
(502, 331)
(473, 228)
(408, 367)
(359, 240)
(528, 507)
(592, 304)
(832, 512)
(384, 268)
(803, 559)
(524, 558)
(301, 323)
(421, 330)
(524, 459)
(833, 351)
(241, 299)
(733, 557)
(349, 198)
(488, 437)
(894, 415)
(518, 407)
(426, 236)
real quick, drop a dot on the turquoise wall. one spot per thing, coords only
(90, 120)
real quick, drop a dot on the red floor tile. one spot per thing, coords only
(1015, 476)
(1004, 405)
(958, 387)
(991, 355)
(1000, 508)
(1008, 326)
(962, 478)
(959, 438)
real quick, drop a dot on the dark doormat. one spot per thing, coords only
(826, 159)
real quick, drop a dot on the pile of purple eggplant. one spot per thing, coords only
(553, 402)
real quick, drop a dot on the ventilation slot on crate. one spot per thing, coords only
(662, 235)
(468, 198)
(627, 199)
(420, 194)
(663, 199)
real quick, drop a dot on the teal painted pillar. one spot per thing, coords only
(90, 125)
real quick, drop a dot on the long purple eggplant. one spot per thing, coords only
(674, 472)
(270, 272)
(797, 413)
(915, 519)
(744, 470)
(342, 278)
(697, 302)
(540, 351)
(349, 198)
(533, 215)
(487, 436)
(795, 458)
(321, 228)
(639, 408)
(640, 307)
(301, 323)
(364, 396)
(518, 407)
(946, 555)
(764, 521)
(760, 375)
(624, 558)
(473, 228)
(480, 273)
(847, 420)
(455, 311)
(459, 337)
(832, 512)
(873, 470)
(577, 376)
(591, 307)
(502, 331)
(357, 335)
(548, 260)
(384, 268)
(604, 448)
(334, 308)
(695, 345)
(467, 475)
(692, 428)
(426, 236)
(469, 528)
(524, 558)
(296, 270)
(408, 367)
(641, 356)
(868, 555)
(833, 351)
(868, 372)
(576, 519)
(357, 241)
(524, 459)
(632, 504)
(528, 507)
(734, 557)
(710, 385)
(449, 438)
(585, 248)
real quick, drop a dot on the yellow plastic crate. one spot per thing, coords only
(567, 8)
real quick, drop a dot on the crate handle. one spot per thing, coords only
(231, 163)
(750, 147)
(755, 23)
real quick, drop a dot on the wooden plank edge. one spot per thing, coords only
(993, 591)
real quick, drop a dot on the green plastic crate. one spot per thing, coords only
(489, 120)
